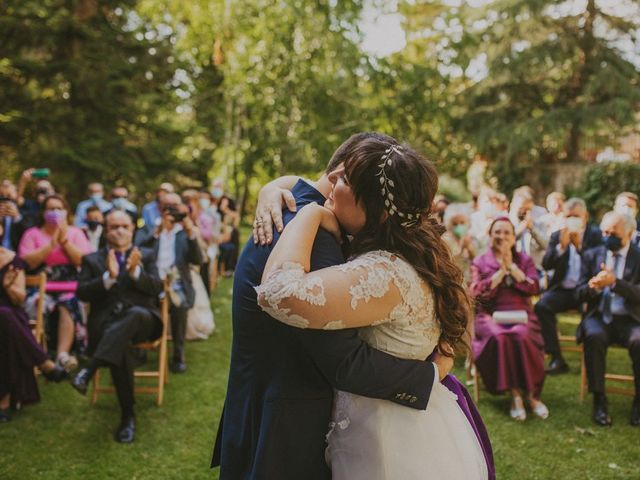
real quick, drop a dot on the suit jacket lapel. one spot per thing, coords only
(631, 264)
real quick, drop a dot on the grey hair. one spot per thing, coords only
(628, 221)
(574, 202)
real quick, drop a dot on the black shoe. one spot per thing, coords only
(557, 366)
(600, 413)
(81, 381)
(127, 430)
(178, 366)
(5, 415)
(635, 413)
(56, 375)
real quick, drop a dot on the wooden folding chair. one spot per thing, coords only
(614, 377)
(37, 324)
(162, 373)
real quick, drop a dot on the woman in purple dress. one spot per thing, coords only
(509, 356)
(19, 351)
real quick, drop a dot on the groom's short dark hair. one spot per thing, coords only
(344, 151)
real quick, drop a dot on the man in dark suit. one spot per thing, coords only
(610, 284)
(281, 381)
(122, 285)
(564, 257)
(174, 241)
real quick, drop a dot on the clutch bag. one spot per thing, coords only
(510, 317)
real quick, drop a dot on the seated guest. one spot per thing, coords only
(151, 212)
(553, 220)
(531, 238)
(120, 201)
(509, 354)
(94, 227)
(19, 351)
(31, 207)
(627, 204)
(610, 284)
(564, 258)
(96, 197)
(176, 246)
(58, 248)
(122, 285)
(13, 223)
(462, 245)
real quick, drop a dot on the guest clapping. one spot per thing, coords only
(507, 347)
(19, 351)
(610, 284)
(121, 283)
(58, 247)
(564, 258)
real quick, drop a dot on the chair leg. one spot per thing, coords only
(94, 387)
(583, 379)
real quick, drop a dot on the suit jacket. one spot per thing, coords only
(282, 379)
(552, 260)
(187, 252)
(628, 287)
(16, 230)
(126, 292)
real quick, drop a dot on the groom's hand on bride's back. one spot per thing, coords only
(271, 199)
(443, 362)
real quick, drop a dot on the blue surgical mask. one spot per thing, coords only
(217, 192)
(612, 242)
(95, 196)
(119, 203)
(460, 230)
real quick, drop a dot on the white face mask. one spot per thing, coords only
(204, 203)
(574, 224)
(626, 210)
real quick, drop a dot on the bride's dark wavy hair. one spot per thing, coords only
(415, 182)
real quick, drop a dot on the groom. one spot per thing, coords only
(281, 380)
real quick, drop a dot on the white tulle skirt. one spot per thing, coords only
(379, 440)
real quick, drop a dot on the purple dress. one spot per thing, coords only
(19, 351)
(507, 356)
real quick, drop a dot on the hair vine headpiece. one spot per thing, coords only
(408, 219)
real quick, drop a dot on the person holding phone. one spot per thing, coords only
(564, 259)
(176, 245)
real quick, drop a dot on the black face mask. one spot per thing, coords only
(93, 225)
(612, 242)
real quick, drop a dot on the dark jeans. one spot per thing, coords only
(623, 330)
(134, 325)
(178, 331)
(553, 302)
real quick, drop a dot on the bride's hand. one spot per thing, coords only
(326, 218)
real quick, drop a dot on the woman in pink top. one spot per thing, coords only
(58, 248)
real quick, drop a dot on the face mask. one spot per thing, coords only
(204, 203)
(93, 225)
(55, 217)
(626, 210)
(460, 230)
(612, 242)
(95, 196)
(217, 192)
(574, 224)
(119, 203)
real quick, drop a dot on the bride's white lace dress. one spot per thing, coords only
(369, 438)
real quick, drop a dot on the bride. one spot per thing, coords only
(405, 293)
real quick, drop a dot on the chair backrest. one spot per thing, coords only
(39, 281)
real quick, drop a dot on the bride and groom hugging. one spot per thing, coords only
(328, 377)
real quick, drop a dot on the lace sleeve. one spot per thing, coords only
(361, 292)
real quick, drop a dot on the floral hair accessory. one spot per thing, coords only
(409, 219)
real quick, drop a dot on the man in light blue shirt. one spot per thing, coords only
(96, 197)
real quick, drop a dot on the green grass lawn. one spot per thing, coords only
(64, 437)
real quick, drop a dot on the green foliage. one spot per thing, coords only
(603, 182)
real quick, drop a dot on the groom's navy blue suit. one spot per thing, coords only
(281, 380)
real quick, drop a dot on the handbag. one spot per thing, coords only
(511, 317)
